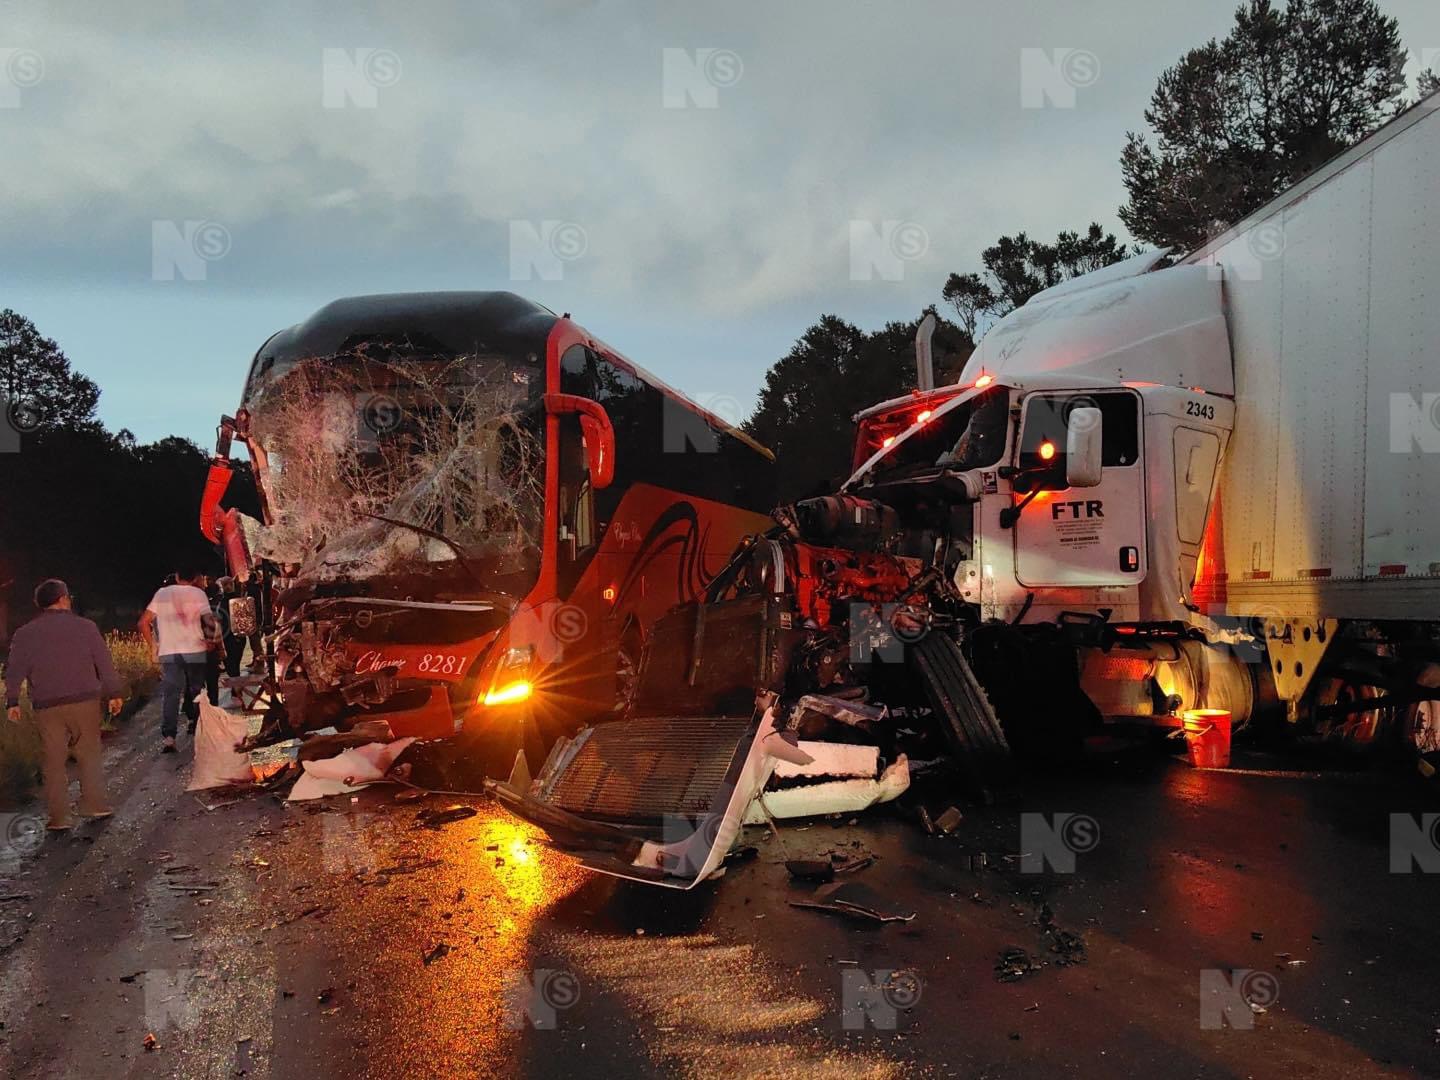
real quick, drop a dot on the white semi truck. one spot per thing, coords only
(1216, 475)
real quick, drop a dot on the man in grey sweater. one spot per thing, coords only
(65, 660)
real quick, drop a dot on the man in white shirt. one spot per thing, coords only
(177, 613)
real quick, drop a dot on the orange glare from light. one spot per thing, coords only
(510, 693)
(609, 594)
(888, 440)
(1047, 450)
(984, 381)
(924, 415)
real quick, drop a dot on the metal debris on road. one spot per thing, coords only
(438, 817)
(1014, 964)
(854, 900)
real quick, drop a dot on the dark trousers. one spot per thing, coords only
(180, 682)
(212, 676)
(234, 653)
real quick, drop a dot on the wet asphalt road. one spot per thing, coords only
(271, 941)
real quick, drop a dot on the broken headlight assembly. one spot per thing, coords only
(512, 683)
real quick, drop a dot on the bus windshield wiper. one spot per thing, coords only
(460, 556)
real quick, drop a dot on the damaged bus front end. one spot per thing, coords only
(398, 449)
(451, 538)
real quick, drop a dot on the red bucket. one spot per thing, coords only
(1207, 734)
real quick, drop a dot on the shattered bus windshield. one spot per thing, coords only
(969, 436)
(398, 464)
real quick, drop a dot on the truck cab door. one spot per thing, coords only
(1081, 537)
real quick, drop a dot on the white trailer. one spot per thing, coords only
(1215, 474)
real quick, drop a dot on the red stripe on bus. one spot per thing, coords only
(1323, 571)
(1390, 569)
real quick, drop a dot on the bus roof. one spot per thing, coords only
(452, 323)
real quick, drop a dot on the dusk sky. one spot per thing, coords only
(181, 179)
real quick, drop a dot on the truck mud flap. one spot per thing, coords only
(658, 800)
(964, 714)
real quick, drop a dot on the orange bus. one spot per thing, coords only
(638, 496)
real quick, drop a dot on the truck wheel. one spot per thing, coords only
(1360, 730)
(964, 713)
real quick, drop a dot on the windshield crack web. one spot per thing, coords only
(447, 447)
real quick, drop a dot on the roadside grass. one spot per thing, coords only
(20, 743)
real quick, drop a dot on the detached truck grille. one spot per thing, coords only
(641, 771)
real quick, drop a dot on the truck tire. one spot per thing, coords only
(964, 713)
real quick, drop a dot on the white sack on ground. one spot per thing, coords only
(347, 771)
(217, 764)
(834, 797)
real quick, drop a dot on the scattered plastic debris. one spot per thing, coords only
(949, 820)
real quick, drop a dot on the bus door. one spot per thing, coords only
(579, 628)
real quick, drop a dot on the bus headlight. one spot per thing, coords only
(511, 683)
(509, 693)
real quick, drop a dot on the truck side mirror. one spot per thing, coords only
(598, 431)
(1082, 447)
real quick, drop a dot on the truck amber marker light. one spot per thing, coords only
(924, 415)
(984, 381)
(1047, 450)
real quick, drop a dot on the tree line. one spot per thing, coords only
(110, 515)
